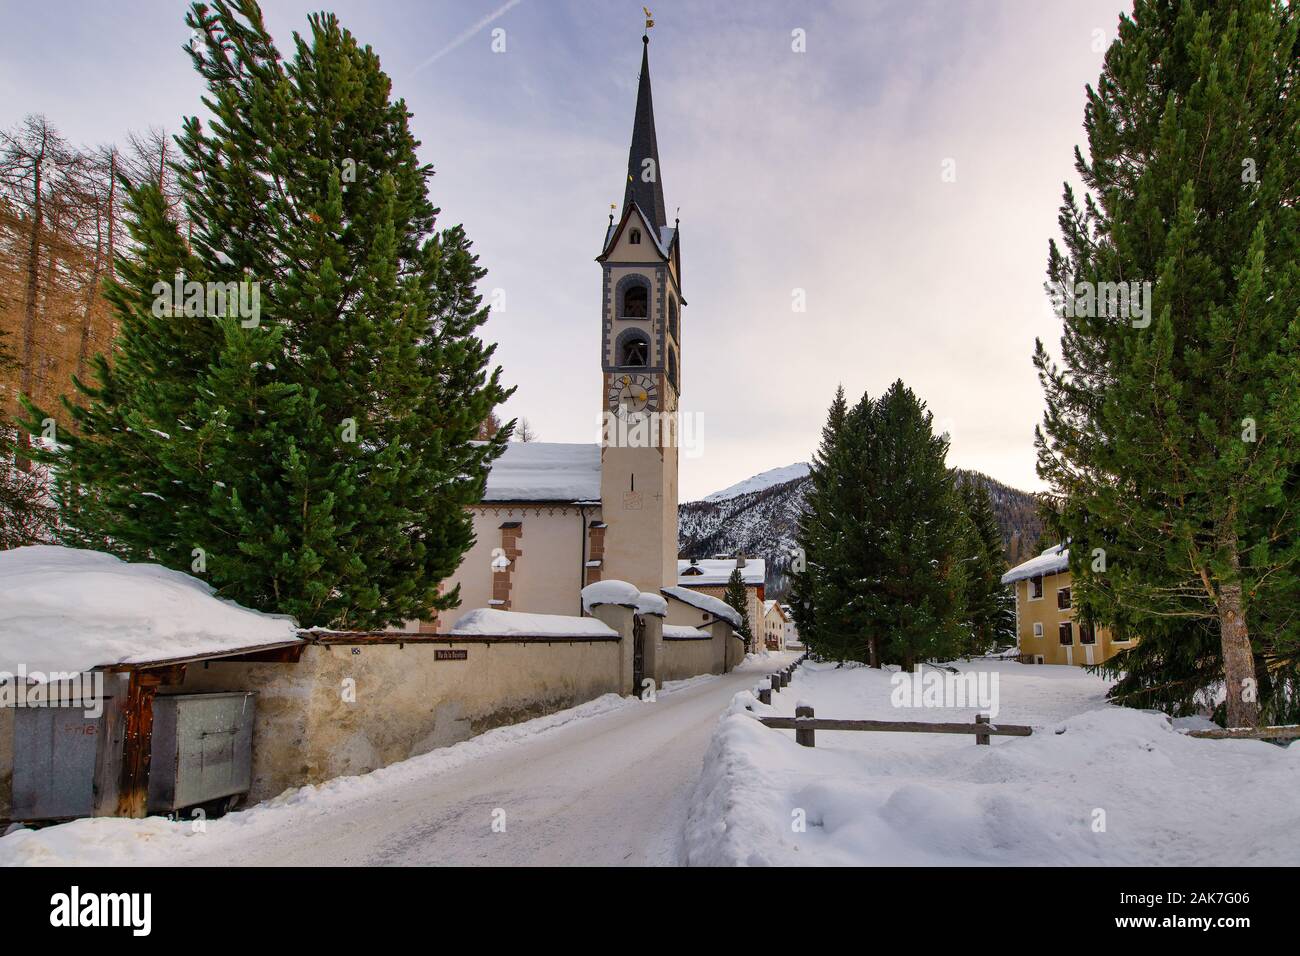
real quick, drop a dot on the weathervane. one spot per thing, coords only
(649, 21)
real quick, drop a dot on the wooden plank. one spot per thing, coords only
(895, 726)
(137, 742)
(1287, 732)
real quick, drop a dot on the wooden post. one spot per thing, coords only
(776, 683)
(979, 737)
(137, 742)
(765, 695)
(805, 738)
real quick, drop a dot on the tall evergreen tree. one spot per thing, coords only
(314, 458)
(916, 590)
(1172, 431)
(990, 606)
(735, 597)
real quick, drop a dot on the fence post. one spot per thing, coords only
(765, 695)
(775, 681)
(805, 738)
(981, 719)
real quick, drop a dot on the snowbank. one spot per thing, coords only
(681, 633)
(705, 602)
(70, 610)
(610, 592)
(1095, 784)
(492, 622)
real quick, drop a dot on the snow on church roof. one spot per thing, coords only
(708, 572)
(1052, 561)
(545, 471)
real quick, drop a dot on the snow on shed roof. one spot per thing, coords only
(497, 623)
(545, 471)
(712, 571)
(71, 610)
(705, 602)
(1052, 561)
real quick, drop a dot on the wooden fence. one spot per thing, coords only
(805, 723)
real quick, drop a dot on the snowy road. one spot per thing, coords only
(609, 784)
(608, 790)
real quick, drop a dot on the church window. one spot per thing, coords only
(672, 368)
(635, 353)
(635, 237)
(672, 319)
(636, 302)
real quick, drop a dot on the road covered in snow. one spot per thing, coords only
(606, 783)
(1094, 785)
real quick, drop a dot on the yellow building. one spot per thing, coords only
(1046, 629)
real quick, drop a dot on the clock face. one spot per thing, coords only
(629, 393)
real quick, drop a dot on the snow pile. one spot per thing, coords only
(1094, 785)
(707, 603)
(765, 479)
(647, 603)
(610, 592)
(492, 622)
(545, 471)
(69, 610)
(680, 633)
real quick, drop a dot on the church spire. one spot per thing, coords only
(644, 182)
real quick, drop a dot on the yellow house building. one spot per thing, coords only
(1046, 629)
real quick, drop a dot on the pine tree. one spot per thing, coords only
(990, 606)
(26, 516)
(735, 597)
(1172, 432)
(313, 456)
(916, 590)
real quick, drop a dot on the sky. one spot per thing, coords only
(901, 174)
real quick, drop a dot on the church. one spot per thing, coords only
(558, 517)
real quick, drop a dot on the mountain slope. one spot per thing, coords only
(763, 522)
(764, 479)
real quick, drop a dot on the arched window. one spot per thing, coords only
(636, 302)
(633, 349)
(634, 237)
(672, 368)
(672, 319)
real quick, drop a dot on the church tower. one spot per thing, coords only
(640, 357)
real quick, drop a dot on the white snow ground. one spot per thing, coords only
(929, 799)
(604, 783)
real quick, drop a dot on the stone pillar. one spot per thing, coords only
(620, 618)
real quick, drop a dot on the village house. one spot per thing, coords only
(710, 576)
(774, 626)
(1047, 631)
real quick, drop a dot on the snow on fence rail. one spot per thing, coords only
(805, 723)
(1285, 732)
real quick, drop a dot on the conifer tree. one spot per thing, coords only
(990, 606)
(1172, 432)
(735, 597)
(312, 454)
(917, 588)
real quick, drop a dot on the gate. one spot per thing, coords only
(638, 653)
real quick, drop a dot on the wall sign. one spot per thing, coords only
(452, 654)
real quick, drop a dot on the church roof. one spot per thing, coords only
(648, 196)
(709, 572)
(545, 471)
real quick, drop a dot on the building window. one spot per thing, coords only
(1086, 635)
(1063, 599)
(636, 302)
(635, 237)
(1067, 633)
(634, 354)
(1038, 629)
(672, 368)
(1036, 588)
(672, 319)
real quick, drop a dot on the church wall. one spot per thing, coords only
(683, 659)
(546, 573)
